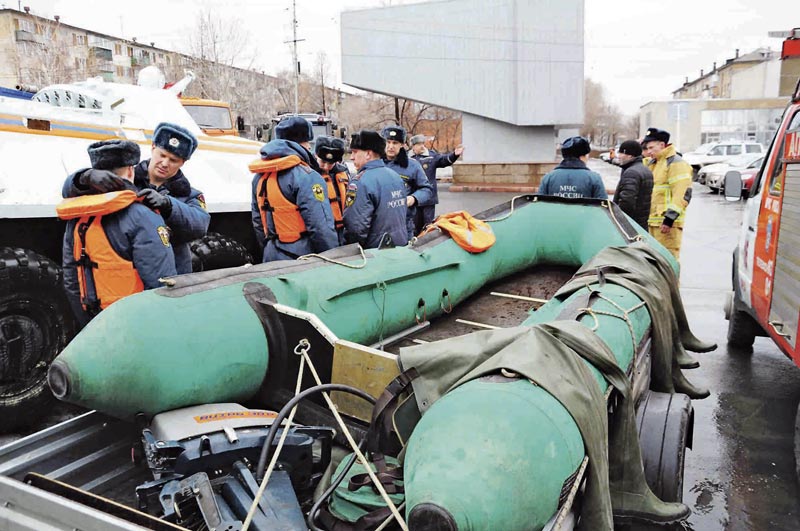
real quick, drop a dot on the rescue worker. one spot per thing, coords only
(376, 211)
(291, 211)
(162, 186)
(329, 152)
(430, 160)
(635, 186)
(114, 245)
(418, 190)
(572, 178)
(672, 190)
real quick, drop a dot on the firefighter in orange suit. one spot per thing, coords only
(672, 190)
(291, 211)
(329, 152)
(114, 246)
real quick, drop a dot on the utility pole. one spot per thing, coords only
(294, 54)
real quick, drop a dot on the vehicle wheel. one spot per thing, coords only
(742, 330)
(35, 325)
(665, 423)
(217, 251)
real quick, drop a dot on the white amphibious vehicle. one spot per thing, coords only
(42, 141)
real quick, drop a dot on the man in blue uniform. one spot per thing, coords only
(289, 198)
(430, 160)
(571, 178)
(418, 190)
(376, 210)
(162, 186)
(136, 235)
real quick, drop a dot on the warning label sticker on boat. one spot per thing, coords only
(214, 417)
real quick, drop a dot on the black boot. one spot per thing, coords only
(682, 385)
(685, 361)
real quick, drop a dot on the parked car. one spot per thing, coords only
(713, 175)
(715, 152)
(610, 156)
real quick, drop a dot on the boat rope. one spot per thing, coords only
(302, 348)
(510, 212)
(625, 315)
(380, 286)
(285, 432)
(338, 262)
(638, 237)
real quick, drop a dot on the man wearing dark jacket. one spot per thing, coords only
(635, 187)
(162, 186)
(572, 179)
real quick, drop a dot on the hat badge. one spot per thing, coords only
(392, 133)
(328, 156)
(649, 132)
(174, 142)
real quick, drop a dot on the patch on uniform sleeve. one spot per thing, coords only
(316, 189)
(425, 166)
(202, 200)
(163, 233)
(349, 198)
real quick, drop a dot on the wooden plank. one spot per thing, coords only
(364, 368)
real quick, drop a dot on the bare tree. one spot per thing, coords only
(44, 57)
(603, 121)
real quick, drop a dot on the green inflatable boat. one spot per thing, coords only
(230, 335)
(205, 339)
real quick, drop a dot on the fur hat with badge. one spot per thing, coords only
(176, 139)
(113, 154)
(295, 128)
(656, 135)
(368, 140)
(575, 147)
(329, 149)
(394, 132)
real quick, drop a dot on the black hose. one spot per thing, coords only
(284, 412)
(312, 515)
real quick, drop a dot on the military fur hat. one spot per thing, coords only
(113, 154)
(575, 146)
(177, 140)
(368, 140)
(417, 139)
(329, 149)
(394, 132)
(654, 134)
(295, 128)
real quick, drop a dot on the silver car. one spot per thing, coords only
(713, 175)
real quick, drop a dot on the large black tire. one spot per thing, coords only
(217, 251)
(665, 422)
(742, 329)
(35, 325)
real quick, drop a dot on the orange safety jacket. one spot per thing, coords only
(337, 192)
(471, 234)
(104, 277)
(289, 224)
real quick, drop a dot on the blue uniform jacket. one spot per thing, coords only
(416, 184)
(188, 220)
(296, 186)
(573, 179)
(133, 234)
(430, 163)
(376, 206)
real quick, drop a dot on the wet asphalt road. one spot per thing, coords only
(740, 473)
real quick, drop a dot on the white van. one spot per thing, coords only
(715, 152)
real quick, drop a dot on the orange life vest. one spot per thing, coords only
(104, 277)
(469, 233)
(337, 191)
(289, 224)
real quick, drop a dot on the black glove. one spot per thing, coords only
(102, 181)
(152, 199)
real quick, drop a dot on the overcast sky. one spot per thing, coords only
(639, 50)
